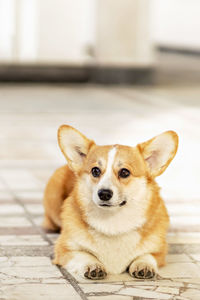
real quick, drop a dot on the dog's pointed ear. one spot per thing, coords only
(74, 145)
(159, 152)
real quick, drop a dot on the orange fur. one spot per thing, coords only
(58, 188)
(157, 222)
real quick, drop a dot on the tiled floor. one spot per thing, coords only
(29, 118)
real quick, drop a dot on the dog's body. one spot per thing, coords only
(112, 215)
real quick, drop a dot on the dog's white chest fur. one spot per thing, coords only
(115, 252)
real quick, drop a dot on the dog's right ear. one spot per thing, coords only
(74, 145)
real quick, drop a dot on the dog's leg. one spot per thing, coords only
(49, 225)
(86, 265)
(143, 267)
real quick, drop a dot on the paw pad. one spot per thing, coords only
(95, 272)
(145, 273)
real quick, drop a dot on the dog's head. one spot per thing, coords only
(114, 178)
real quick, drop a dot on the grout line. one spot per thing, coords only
(73, 282)
(196, 262)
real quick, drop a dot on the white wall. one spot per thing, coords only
(65, 28)
(26, 30)
(119, 31)
(46, 31)
(176, 23)
(7, 30)
(123, 33)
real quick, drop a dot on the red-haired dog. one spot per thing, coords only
(108, 206)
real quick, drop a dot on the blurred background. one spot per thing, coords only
(120, 71)
(84, 41)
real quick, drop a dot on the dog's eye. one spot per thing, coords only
(96, 172)
(123, 173)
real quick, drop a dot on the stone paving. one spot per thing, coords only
(29, 118)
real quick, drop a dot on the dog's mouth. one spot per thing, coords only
(105, 204)
(110, 205)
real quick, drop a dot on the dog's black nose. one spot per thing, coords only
(105, 195)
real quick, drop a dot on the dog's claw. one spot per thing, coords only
(101, 273)
(86, 274)
(93, 273)
(141, 273)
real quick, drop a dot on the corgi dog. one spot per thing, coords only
(107, 204)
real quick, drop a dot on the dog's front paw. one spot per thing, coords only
(144, 267)
(142, 271)
(95, 271)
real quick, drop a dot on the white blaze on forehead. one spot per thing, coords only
(105, 180)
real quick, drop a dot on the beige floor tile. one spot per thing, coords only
(183, 240)
(30, 163)
(19, 179)
(30, 196)
(183, 209)
(25, 261)
(185, 220)
(168, 290)
(2, 186)
(176, 258)
(194, 285)
(42, 174)
(52, 280)
(38, 219)
(180, 270)
(14, 221)
(179, 238)
(180, 298)
(100, 288)
(11, 209)
(143, 293)
(22, 240)
(18, 270)
(39, 292)
(160, 283)
(6, 197)
(16, 281)
(26, 274)
(193, 294)
(195, 257)
(35, 208)
(193, 280)
(110, 297)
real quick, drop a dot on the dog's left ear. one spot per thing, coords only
(159, 152)
(74, 145)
